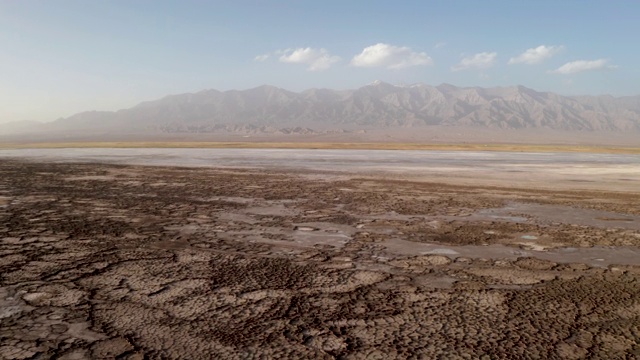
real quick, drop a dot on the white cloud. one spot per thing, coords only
(482, 60)
(536, 55)
(583, 65)
(262, 58)
(391, 57)
(316, 59)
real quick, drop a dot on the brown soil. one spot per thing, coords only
(126, 262)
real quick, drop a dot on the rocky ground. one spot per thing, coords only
(133, 262)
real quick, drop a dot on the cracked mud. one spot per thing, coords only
(134, 262)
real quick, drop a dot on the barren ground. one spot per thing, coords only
(133, 262)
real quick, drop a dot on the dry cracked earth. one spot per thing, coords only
(134, 262)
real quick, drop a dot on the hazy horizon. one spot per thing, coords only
(65, 57)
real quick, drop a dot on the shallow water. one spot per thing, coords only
(597, 256)
(565, 214)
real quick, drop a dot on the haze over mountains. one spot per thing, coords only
(377, 106)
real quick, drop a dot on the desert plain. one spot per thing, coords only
(318, 254)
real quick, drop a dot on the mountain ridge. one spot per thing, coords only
(376, 105)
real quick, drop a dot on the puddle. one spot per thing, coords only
(597, 256)
(440, 251)
(332, 228)
(271, 210)
(532, 246)
(481, 215)
(563, 214)
(305, 228)
(230, 216)
(518, 219)
(319, 233)
(321, 238)
(303, 239)
(231, 199)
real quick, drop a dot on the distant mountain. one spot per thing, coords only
(268, 109)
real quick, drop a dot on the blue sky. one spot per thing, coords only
(59, 57)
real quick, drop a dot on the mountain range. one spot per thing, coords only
(268, 109)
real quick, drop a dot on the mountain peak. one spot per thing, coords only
(447, 87)
(380, 83)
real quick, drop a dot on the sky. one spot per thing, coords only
(60, 57)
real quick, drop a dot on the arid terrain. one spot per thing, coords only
(122, 261)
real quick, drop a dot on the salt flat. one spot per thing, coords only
(615, 172)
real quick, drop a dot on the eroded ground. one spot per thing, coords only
(131, 262)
